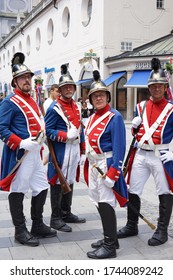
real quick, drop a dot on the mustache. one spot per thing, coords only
(28, 84)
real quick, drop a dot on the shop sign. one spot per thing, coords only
(48, 70)
(90, 54)
(143, 65)
(146, 65)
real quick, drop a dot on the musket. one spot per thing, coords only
(64, 184)
(126, 162)
(125, 166)
(129, 203)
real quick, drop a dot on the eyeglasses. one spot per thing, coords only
(100, 95)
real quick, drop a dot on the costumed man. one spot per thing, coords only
(153, 132)
(63, 128)
(105, 150)
(20, 124)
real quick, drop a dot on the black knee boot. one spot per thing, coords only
(56, 221)
(108, 218)
(39, 229)
(66, 203)
(22, 235)
(100, 242)
(160, 236)
(131, 228)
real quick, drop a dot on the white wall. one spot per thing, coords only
(112, 21)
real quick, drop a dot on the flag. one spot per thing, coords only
(168, 168)
(121, 191)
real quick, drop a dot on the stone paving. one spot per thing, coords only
(74, 245)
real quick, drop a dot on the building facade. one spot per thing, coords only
(83, 34)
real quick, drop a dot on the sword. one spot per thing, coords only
(129, 203)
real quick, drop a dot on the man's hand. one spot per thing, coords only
(107, 182)
(136, 122)
(166, 156)
(29, 144)
(72, 133)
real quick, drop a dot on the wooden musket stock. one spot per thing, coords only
(125, 166)
(64, 184)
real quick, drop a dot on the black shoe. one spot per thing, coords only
(71, 218)
(131, 229)
(60, 225)
(42, 231)
(100, 242)
(26, 238)
(104, 252)
(158, 238)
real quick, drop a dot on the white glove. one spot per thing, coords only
(136, 122)
(29, 144)
(72, 133)
(82, 159)
(166, 156)
(107, 182)
(41, 138)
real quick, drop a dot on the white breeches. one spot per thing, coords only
(99, 192)
(71, 161)
(146, 163)
(31, 174)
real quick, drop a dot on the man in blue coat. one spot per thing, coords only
(105, 149)
(63, 128)
(21, 167)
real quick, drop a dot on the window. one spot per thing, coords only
(13, 50)
(8, 57)
(38, 39)
(65, 22)
(20, 46)
(126, 46)
(121, 97)
(86, 12)
(50, 31)
(28, 45)
(3, 60)
(160, 4)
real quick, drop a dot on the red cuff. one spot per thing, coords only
(62, 136)
(13, 141)
(113, 173)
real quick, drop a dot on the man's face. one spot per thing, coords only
(55, 93)
(99, 99)
(67, 92)
(157, 91)
(23, 82)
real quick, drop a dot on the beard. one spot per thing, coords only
(26, 88)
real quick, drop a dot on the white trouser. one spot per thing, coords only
(146, 163)
(99, 192)
(31, 174)
(71, 161)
